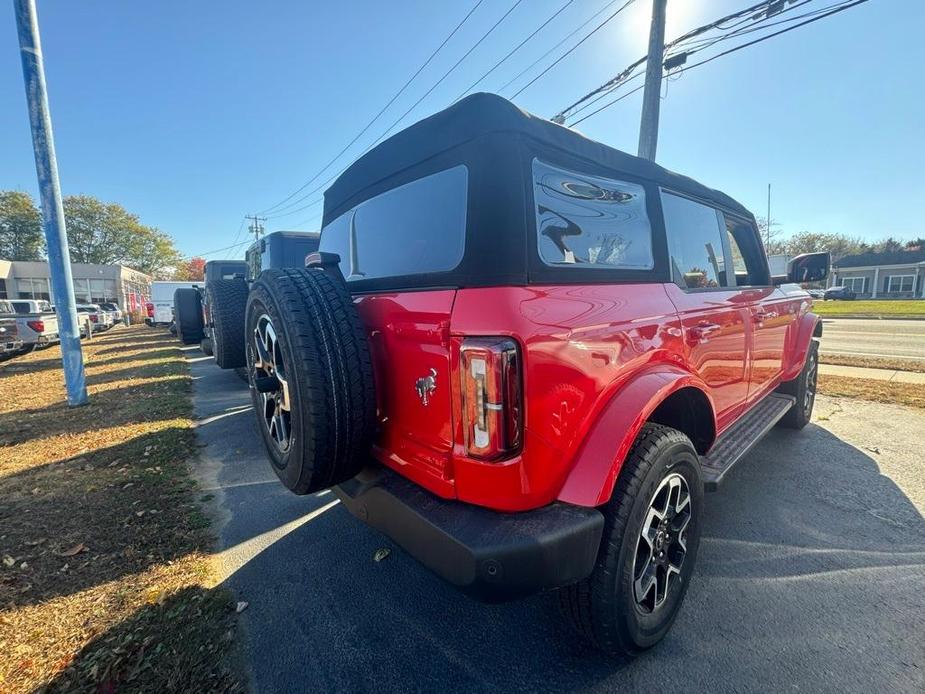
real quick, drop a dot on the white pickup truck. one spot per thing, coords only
(37, 322)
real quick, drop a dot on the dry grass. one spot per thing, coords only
(910, 394)
(895, 364)
(105, 580)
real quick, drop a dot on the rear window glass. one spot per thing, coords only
(417, 228)
(590, 221)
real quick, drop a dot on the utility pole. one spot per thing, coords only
(256, 228)
(46, 167)
(651, 96)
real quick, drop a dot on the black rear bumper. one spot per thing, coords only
(490, 555)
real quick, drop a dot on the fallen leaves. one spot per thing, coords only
(76, 549)
(122, 599)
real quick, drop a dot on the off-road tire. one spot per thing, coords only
(227, 301)
(241, 372)
(324, 354)
(187, 311)
(803, 388)
(602, 607)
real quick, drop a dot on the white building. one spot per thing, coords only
(118, 284)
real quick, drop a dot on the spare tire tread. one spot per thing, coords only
(227, 306)
(336, 386)
(187, 308)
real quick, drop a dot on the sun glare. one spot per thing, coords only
(680, 17)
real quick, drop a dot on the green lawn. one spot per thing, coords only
(873, 308)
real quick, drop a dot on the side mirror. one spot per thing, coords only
(808, 267)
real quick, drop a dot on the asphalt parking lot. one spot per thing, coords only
(811, 576)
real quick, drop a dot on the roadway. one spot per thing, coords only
(902, 339)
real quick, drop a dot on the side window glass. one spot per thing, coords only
(589, 221)
(418, 227)
(748, 261)
(695, 243)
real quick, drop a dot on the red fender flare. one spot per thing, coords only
(808, 323)
(597, 465)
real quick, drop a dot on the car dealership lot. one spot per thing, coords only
(811, 575)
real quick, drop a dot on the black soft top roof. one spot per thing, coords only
(483, 114)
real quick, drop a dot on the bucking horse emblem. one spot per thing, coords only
(425, 386)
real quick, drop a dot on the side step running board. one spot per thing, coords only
(741, 436)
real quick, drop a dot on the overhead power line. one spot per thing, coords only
(554, 48)
(403, 115)
(625, 74)
(674, 62)
(514, 50)
(573, 48)
(381, 111)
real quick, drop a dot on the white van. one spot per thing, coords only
(161, 311)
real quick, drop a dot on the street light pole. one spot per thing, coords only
(651, 96)
(46, 167)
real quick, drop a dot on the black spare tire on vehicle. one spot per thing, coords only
(311, 377)
(227, 301)
(187, 313)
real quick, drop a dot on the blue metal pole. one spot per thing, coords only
(46, 166)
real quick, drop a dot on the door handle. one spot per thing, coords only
(701, 332)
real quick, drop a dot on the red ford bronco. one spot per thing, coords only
(524, 355)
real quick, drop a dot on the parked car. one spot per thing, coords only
(36, 321)
(842, 293)
(10, 342)
(161, 308)
(816, 293)
(113, 309)
(524, 356)
(97, 320)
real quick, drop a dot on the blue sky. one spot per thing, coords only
(192, 114)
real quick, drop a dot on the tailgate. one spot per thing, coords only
(409, 337)
(51, 323)
(8, 330)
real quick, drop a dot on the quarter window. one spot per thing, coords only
(748, 262)
(589, 221)
(695, 243)
(416, 228)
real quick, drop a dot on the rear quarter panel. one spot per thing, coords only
(581, 344)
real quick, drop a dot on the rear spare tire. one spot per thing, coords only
(311, 377)
(187, 311)
(227, 301)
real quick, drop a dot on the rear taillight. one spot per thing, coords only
(492, 393)
(149, 307)
(93, 317)
(37, 325)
